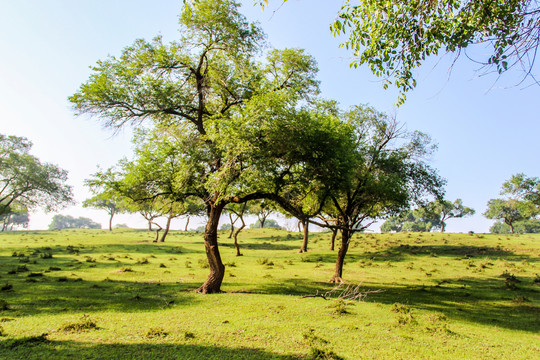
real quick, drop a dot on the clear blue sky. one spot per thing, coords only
(486, 129)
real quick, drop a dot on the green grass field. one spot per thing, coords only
(102, 295)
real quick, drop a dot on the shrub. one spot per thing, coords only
(156, 333)
(264, 261)
(6, 287)
(85, 324)
(203, 263)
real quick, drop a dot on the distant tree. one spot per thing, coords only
(17, 217)
(236, 212)
(25, 182)
(508, 211)
(442, 210)
(60, 222)
(107, 201)
(269, 223)
(409, 220)
(428, 217)
(262, 209)
(531, 226)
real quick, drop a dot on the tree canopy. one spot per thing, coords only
(25, 182)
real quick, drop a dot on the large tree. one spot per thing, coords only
(27, 183)
(244, 126)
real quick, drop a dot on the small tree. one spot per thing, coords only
(236, 212)
(107, 201)
(508, 211)
(442, 210)
(410, 220)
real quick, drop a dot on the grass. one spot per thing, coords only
(94, 294)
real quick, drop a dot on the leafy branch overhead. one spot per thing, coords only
(394, 38)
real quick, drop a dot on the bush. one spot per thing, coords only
(85, 324)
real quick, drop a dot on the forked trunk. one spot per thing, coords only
(305, 224)
(333, 240)
(167, 227)
(217, 269)
(236, 236)
(443, 226)
(157, 235)
(338, 271)
(232, 225)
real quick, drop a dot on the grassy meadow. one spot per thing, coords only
(94, 294)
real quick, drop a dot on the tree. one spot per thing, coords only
(442, 210)
(16, 217)
(409, 220)
(523, 188)
(388, 176)
(236, 212)
(60, 222)
(262, 209)
(522, 205)
(106, 201)
(269, 223)
(531, 226)
(243, 127)
(393, 38)
(25, 182)
(508, 211)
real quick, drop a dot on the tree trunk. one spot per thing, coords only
(187, 223)
(338, 271)
(167, 227)
(511, 228)
(236, 236)
(232, 225)
(149, 226)
(110, 221)
(157, 235)
(333, 240)
(217, 269)
(305, 224)
(262, 220)
(443, 226)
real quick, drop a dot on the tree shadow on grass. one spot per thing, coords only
(49, 294)
(51, 349)
(261, 246)
(487, 301)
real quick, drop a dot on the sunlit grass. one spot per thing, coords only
(428, 296)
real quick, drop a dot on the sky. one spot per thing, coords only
(486, 128)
